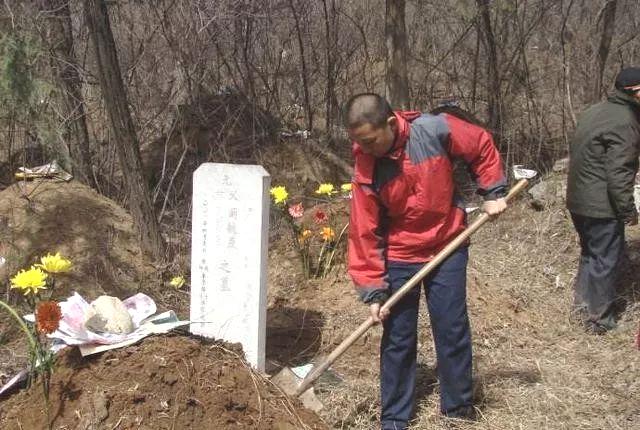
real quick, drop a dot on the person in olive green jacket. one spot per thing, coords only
(602, 168)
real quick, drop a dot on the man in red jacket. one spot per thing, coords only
(404, 210)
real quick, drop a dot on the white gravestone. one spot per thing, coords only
(229, 255)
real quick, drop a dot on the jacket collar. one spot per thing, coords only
(404, 119)
(621, 97)
(365, 163)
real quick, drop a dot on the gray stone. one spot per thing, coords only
(229, 256)
(549, 191)
(561, 166)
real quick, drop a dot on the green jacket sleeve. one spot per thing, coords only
(621, 146)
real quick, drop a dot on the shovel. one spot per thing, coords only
(287, 380)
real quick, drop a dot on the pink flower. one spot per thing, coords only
(296, 211)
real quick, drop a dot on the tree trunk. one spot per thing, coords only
(330, 35)
(397, 81)
(494, 97)
(608, 19)
(63, 62)
(303, 64)
(123, 131)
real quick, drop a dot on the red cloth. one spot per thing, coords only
(403, 206)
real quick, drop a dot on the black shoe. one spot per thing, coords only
(595, 328)
(464, 413)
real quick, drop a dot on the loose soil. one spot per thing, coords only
(165, 382)
(43, 217)
(168, 382)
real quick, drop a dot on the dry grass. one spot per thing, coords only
(534, 367)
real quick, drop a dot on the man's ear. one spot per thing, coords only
(392, 122)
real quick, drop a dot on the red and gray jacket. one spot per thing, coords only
(404, 205)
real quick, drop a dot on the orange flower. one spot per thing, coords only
(48, 316)
(320, 217)
(327, 233)
(304, 235)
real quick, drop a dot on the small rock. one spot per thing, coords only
(108, 315)
(232, 405)
(550, 191)
(139, 398)
(100, 406)
(163, 406)
(170, 378)
(561, 166)
(192, 401)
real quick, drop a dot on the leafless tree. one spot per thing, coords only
(58, 36)
(607, 21)
(122, 127)
(493, 69)
(397, 81)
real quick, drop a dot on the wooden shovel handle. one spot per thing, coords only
(319, 368)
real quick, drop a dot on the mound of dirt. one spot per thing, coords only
(222, 128)
(169, 382)
(93, 231)
(230, 128)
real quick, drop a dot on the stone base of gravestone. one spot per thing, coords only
(229, 256)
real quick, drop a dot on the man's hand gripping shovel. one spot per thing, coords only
(292, 385)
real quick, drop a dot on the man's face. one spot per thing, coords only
(373, 140)
(635, 91)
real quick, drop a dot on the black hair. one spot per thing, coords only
(366, 108)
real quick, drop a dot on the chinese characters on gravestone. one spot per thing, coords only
(229, 255)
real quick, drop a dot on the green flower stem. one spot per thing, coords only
(324, 246)
(37, 355)
(46, 384)
(23, 326)
(295, 239)
(52, 288)
(304, 251)
(335, 246)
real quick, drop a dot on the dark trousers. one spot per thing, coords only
(602, 243)
(445, 291)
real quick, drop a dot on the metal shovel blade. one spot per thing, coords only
(289, 383)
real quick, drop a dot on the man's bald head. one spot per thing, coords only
(367, 108)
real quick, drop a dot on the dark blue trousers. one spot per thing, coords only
(445, 291)
(602, 248)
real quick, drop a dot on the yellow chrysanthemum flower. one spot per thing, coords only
(177, 282)
(279, 194)
(327, 233)
(55, 263)
(30, 281)
(345, 188)
(325, 189)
